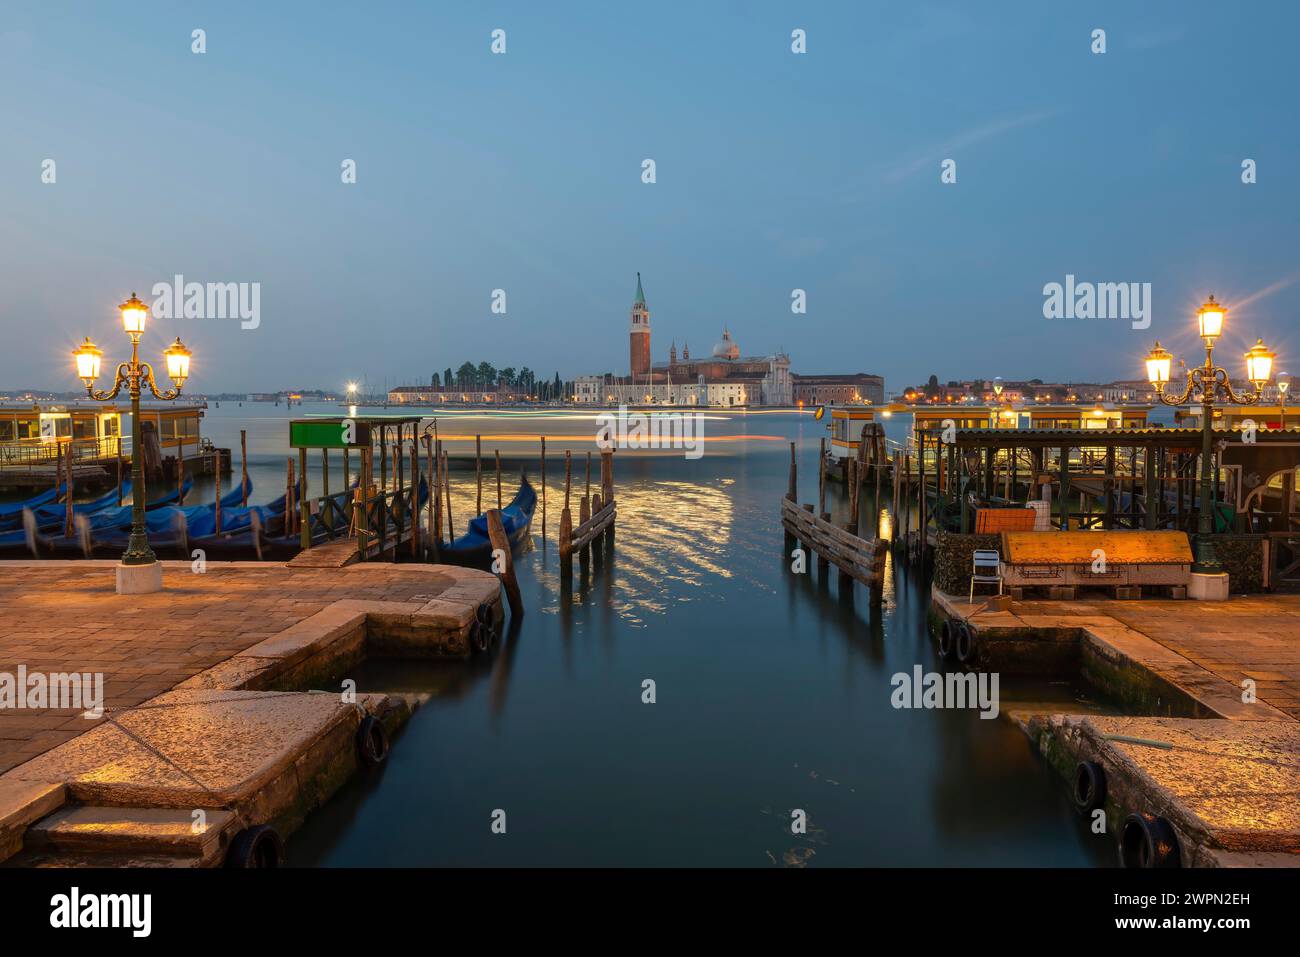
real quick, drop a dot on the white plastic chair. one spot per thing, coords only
(984, 560)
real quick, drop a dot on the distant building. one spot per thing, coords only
(443, 395)
(854, 389)
(723, 378)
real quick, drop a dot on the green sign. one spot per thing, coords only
(328, 434)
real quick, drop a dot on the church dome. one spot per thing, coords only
(727, 348)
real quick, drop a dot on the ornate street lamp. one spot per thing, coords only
(1209, 384)
(135, 375)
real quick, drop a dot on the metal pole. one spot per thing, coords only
(1207, 561)
(138, 551)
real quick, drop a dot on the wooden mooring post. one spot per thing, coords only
(243, 467)
(216, 493)
(597, 517)
(501, 544)
(67, 506)
(478, 474)
(542, 465)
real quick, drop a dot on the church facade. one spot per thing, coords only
(724, 378)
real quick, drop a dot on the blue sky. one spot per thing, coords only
(775, 171)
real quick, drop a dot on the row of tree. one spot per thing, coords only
(486, 377)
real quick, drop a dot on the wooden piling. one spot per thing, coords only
(216, 493)
(243, 467)
(821, 478)
(543, 474)
(604, 536)
(498, 455)
(607, 481)
(584, 514)
(877, 463)
(119, 467)
(415, 496)
(67, 506)
(566, 543)
(853, 496)
(180, 479)
(446, 487)
(500, 543)
(478, 474)
(792, 493)
(288, 498)
(568, 477)
(304, 517)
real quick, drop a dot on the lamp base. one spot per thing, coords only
(139, 579)
(1204, 587)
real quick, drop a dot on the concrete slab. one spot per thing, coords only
(1230, 785)
(191, 749)
(252, 621)
(1200, 652)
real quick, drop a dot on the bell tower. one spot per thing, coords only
(640, 334)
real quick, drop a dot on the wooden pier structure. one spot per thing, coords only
(858, 559)
(1101, 479)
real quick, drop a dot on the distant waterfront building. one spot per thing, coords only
(442, 395)
(854, 389)
(723, 378)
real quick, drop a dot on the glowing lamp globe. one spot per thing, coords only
(1158, 363)
(1210, 317)
(88, 357)
(134, 315)
(178, 362)
(1259, 363)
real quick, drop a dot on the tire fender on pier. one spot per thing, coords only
(372, 742)
(256, 846)
(1089, 786)
(1148, 841)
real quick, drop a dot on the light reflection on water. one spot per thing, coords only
(773, 693)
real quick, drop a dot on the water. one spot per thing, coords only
(772, 692)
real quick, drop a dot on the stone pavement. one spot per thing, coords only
(59, 617)
(1248, 636)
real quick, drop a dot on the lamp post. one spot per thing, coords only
(1209, 384)
(139, 570)
(1283, 386)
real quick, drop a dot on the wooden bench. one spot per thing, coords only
(1122, 561)
(991, 520)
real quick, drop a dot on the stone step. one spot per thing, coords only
(51, 858)
(131, 832)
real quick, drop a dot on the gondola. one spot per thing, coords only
(474, 548)
(53, 516)
(12, 512)
(100, 533)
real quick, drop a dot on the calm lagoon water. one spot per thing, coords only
(772, 692)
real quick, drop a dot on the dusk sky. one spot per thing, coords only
(522, 171)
